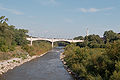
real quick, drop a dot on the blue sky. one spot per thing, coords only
(62, 18)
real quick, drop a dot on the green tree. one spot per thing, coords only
(10, 36)
(79, 38)
(95, 38)
(20, 36)
(109, 36)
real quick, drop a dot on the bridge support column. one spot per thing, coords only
(52, 44)
(31, 42)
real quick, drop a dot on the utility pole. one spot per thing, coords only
(87, 32)
(87, 36)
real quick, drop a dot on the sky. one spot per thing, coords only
(62, 18)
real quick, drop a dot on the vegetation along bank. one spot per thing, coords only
(95, 59)
(15, 49)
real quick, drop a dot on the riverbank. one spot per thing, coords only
(6, 65)
(62, 56)
(63, 61)
(47, 67)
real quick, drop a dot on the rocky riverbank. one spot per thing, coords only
(62, 56)
(62, 59)
(12, 63)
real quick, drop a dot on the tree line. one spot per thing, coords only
(13, 41)
(11, 36)
(95, 59)
(95, 41)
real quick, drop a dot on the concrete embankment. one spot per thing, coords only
(12, 63)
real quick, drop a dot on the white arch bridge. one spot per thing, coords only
(52, 40)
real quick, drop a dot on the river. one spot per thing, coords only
(47, 67)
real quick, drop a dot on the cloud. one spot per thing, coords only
(68, 20)
(93, 9)
(11, 11)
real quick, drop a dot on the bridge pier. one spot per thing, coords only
(52, 44)
(31, 42)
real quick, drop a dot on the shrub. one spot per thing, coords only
(94, 63)
(4, 48)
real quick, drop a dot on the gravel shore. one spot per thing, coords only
(12, 63)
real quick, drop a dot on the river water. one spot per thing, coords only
(47, 67)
